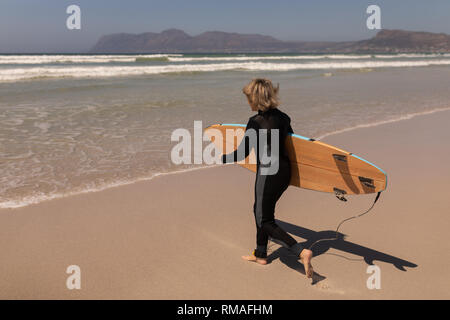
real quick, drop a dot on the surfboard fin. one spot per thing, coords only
(340, 157)
(340, 194)
(367, 182)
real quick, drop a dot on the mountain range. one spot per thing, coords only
(177, 41)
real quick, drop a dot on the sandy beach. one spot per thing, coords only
(181, 236)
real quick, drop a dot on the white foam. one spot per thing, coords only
(79, 59)
(44, 126)
(310, 57)
(16, 74)
(258, 58)
(412, 55)
(29, 200)
(374, 124)
(46, 59)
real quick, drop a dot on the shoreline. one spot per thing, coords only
(26, 203)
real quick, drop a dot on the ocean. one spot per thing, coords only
(80, 123)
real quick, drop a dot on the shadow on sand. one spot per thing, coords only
(367, 254)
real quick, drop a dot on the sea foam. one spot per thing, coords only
(29, 73)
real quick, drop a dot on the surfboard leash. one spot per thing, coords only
(345, 220)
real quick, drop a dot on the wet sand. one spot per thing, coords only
(181, 236)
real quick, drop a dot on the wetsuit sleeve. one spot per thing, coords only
(289, 128)
(244, 148)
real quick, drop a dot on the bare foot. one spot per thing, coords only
(252, 258)
(305, 258)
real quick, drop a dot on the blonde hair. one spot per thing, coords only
(262, 94)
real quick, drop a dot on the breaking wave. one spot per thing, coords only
(16, 74)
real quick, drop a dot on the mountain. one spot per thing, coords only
(404, 41)
(177, 41)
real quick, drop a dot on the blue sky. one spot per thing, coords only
(40, 25)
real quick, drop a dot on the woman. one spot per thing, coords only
(269, 186)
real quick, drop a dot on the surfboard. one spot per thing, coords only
(315, 165)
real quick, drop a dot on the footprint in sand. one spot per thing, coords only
(323, 286)
(326, 286)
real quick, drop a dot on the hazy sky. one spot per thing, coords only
(40, 25)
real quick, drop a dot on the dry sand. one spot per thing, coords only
(181, 235)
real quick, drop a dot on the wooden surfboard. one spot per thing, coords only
(314, 165)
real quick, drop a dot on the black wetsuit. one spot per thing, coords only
(268, 187)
